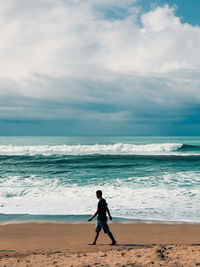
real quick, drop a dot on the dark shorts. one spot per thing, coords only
(103, 225)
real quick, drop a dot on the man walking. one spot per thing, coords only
(102, 208)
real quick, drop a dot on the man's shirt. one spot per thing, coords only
(102, 207)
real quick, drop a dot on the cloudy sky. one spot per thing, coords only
(99, 67)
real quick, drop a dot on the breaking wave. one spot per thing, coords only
(170, 196)
(108, 149)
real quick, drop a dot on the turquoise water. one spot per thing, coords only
(142, 178)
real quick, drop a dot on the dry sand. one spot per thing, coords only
(50, 244)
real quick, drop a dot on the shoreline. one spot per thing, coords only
(66, 244)
(77, 219)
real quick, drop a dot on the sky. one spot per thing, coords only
(99, 67)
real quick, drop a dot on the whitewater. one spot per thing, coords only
(142, 178)
(112, 149)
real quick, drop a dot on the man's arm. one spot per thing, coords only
(91, 218)
(110, 217)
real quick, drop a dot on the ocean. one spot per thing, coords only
(142, 178)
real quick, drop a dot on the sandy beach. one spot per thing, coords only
(139, 244)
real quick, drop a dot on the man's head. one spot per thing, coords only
(99, 194)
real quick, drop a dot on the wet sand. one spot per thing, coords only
(139, 244)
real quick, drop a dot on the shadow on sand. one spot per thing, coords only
(129, 245)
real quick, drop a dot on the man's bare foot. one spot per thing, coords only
(92, 244)
(113, 243)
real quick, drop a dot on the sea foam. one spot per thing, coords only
(110, 149)
(163, 197)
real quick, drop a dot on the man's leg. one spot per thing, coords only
(95, 238)
(107, 231)
(111, 237)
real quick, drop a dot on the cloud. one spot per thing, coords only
(103, 61)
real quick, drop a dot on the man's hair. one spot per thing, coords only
(99, 193)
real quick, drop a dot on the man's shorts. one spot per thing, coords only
(103, 225)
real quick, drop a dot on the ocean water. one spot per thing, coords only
(142, 178)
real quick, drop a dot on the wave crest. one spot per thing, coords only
(109, 149)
